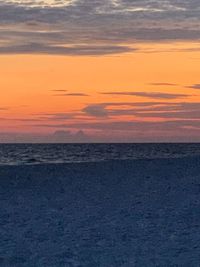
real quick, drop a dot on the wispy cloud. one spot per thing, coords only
(164, 84)
(59, 90)
(4, 108)
(37, 48)
(154, 95)
(163, 110)
(194, 86)
(72, 94)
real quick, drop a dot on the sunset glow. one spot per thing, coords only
(134, 82)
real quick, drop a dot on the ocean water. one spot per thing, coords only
(24, 154)
(106, 214)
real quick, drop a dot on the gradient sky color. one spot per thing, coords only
(118, 70)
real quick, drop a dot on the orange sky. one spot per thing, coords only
(29, 83)
(116, 70)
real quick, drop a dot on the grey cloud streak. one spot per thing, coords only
(35, 48)
(164, 84)
(194, 86)
(115, 110)
(163, 110)
(154, 95)
(72, 94)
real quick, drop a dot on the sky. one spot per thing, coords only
(100, 71)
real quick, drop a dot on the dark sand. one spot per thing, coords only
(109, 214)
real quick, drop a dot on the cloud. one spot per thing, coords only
(154, 95)
(56, 116)
(59, 90)
(174, 114)
(194, 86)
(116, 119)
(96, 110)
(73, 94)
(164, 84)
(85, 27)
(36, 48)
(67, 136)
(140, 127)
(163, 110)
(105, 110)
(59, 136)
(41, 3)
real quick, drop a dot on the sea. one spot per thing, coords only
(26, 154)
(118, 213)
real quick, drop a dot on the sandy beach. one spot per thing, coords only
(139, 213)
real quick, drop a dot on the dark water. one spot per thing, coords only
(17, 154)
(107, 214)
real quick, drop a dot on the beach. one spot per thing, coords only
(122, 213)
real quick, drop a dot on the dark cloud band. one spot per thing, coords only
(87, 27)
